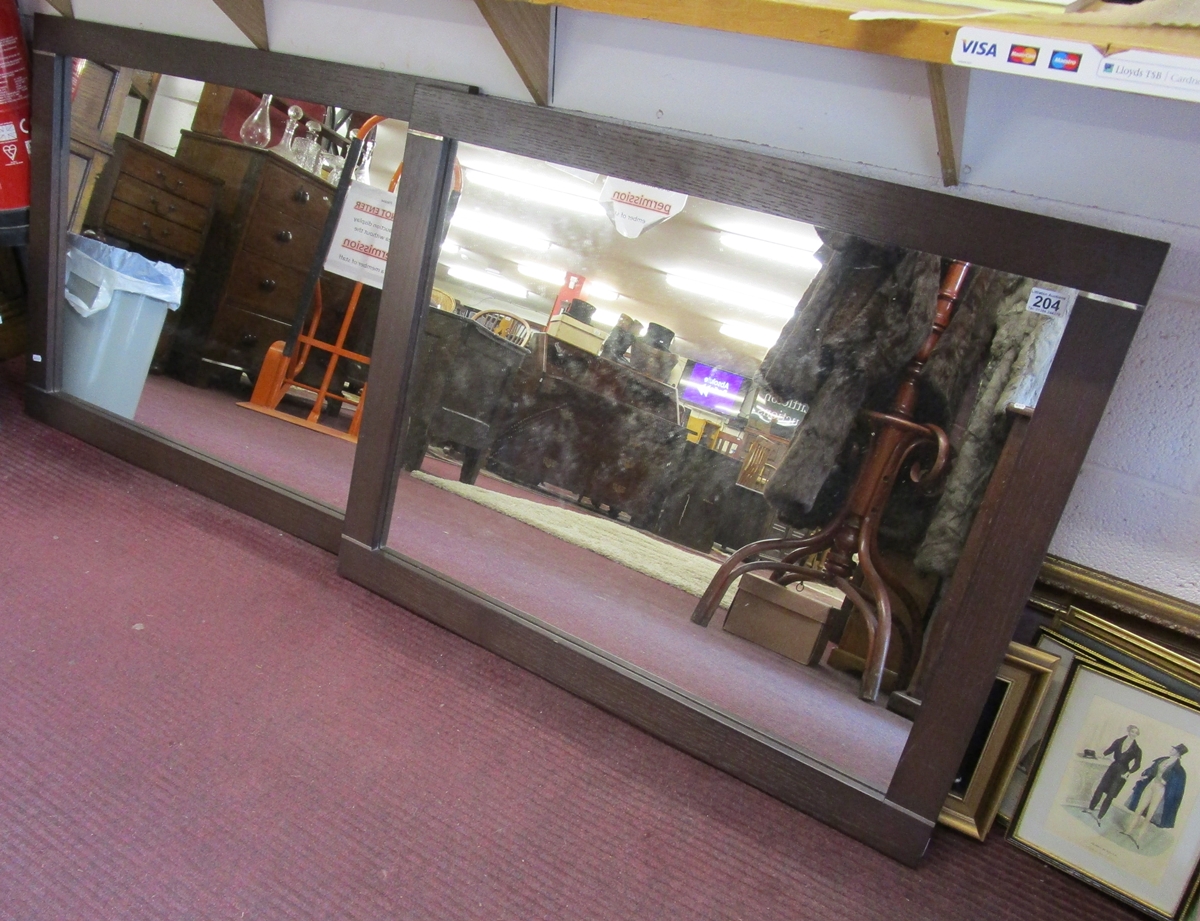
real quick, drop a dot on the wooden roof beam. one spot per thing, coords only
(526, 33)
(948, 96)
(250, 16)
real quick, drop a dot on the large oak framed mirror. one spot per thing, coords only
(214, 178)
(759, 456)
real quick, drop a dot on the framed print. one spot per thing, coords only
(1110, 800)
(999, 740)
(1066, 649)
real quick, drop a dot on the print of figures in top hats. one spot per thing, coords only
(1126, 784)
(1126, 758)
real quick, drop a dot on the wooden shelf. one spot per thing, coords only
(827, 23)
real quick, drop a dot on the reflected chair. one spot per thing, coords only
(505, 325)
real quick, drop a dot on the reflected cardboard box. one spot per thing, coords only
(793, 621)
(582, 335)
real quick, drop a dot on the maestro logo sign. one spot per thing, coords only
(1065, 60)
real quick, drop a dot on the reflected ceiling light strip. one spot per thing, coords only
(602, 317)
(487, 280)
(499, 229)
(800, 256)
(746, 332)
(450, 248)
(530, 191)
(771, 303)
(600, 291)
(546, 273)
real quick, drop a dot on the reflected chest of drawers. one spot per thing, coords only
(153, 204)
(265, 234)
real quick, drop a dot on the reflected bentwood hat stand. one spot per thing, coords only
(896, 440)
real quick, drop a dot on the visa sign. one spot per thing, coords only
(978, 48)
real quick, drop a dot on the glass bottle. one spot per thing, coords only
(285, 146)
(256, 130)
(362, 172)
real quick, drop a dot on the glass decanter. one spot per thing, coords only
(310, 154)
(256, 130)
(330, 166)
(286, 145)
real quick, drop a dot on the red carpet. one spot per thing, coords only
(200, 720)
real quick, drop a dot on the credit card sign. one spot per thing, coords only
(1144, 72)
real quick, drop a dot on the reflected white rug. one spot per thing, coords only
(619, 542)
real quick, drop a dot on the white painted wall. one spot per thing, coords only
(1110, 159)
(172, 111)
(441, 39)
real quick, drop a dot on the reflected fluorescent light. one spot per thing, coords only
(800, 256)
(602, 317)
(532, 190)
(499, 229)
(487, 280)
(600, 291)
(450, 248)
(546, 273)
(771, 303)
(745, 332)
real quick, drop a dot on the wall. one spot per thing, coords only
(1095, 156)
(172, 111)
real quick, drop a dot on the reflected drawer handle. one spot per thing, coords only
(302, 196)
(249, 340)
(154, 200)
(284, 236)
(267, 284)
(160, 174)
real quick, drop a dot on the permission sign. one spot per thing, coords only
(360, 244)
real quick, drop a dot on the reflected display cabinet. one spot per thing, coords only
(268, 222)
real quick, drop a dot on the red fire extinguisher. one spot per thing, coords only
(14, 115)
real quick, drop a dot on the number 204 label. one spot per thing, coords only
(1050, 303)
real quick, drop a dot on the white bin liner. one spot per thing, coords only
(109, 270)
(119, 301)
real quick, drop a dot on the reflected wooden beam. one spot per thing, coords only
(64, 7)
(249, 16)
(948, 96)
(526, 33)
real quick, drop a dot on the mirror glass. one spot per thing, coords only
(619, 386)
(202, 302)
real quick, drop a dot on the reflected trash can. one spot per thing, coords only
(118, 302)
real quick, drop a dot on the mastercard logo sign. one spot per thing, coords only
(1022, 54)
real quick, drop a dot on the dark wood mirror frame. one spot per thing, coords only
(1011, 532)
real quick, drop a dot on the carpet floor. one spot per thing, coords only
(201, 720)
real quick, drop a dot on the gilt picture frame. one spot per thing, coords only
(1022, 684)
(1110, 800)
